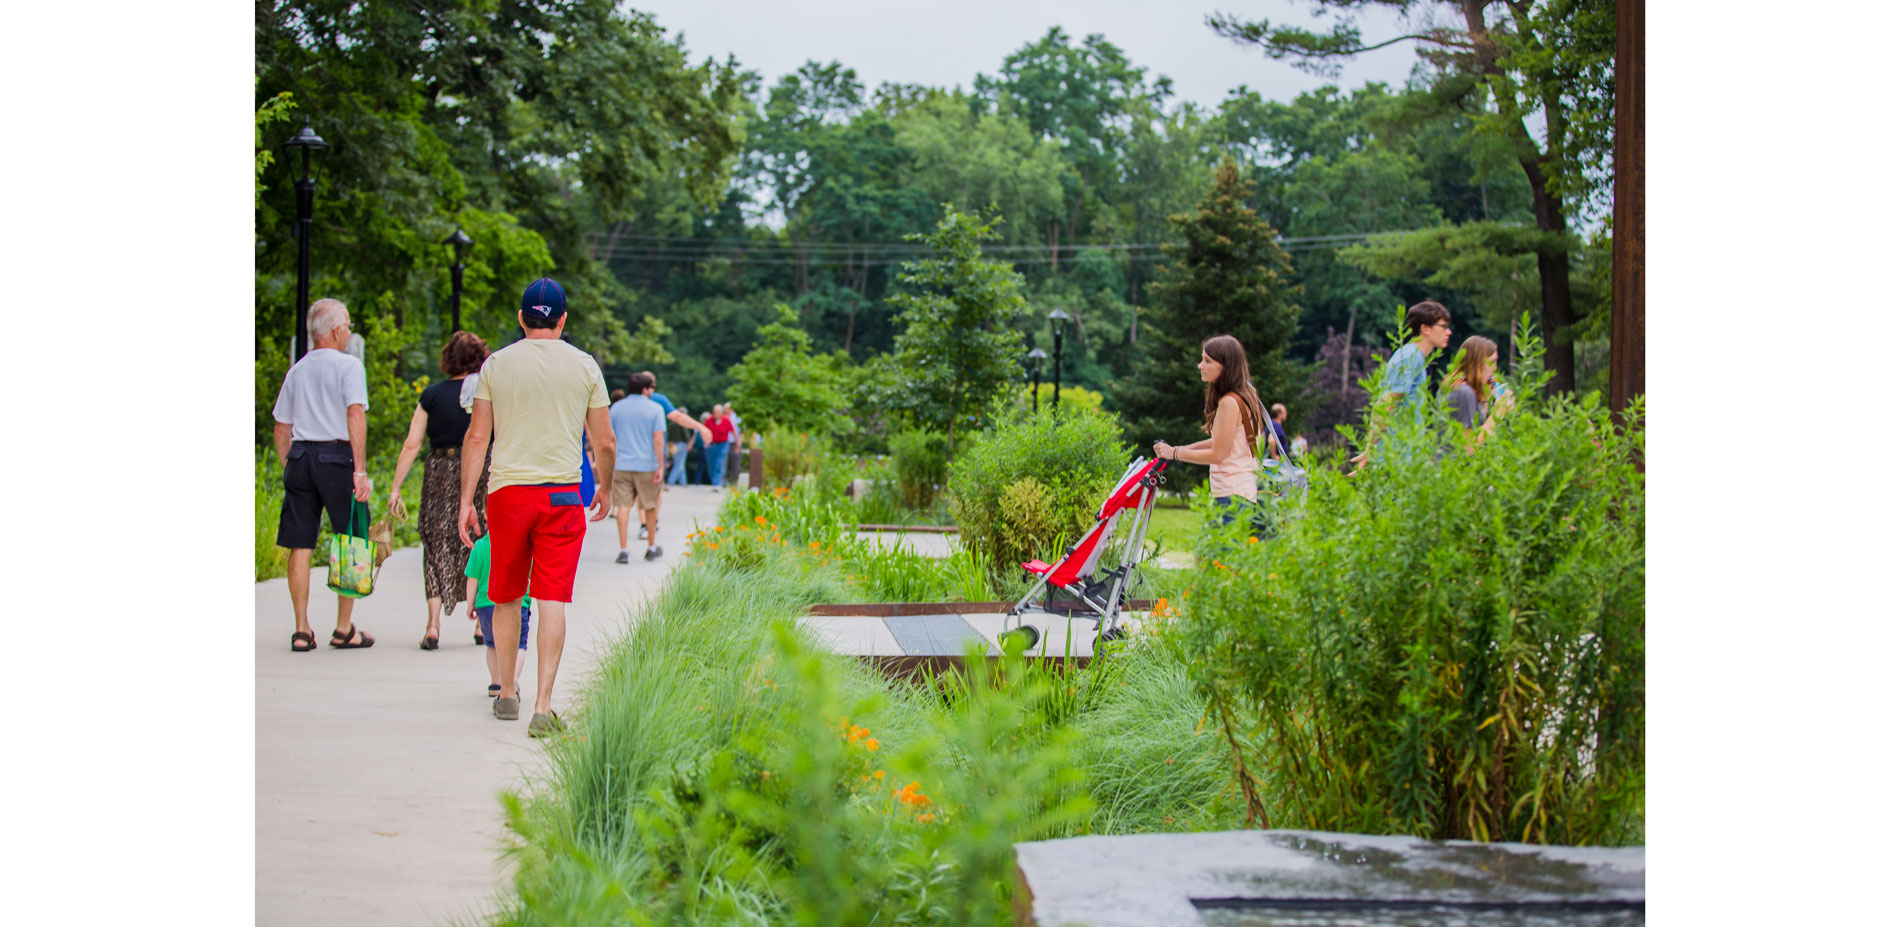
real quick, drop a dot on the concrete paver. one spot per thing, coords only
(378, 770)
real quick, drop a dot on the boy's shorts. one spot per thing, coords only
(538, 530)
(485, 617)
(636, 485)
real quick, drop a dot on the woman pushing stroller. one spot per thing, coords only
(1234, 420)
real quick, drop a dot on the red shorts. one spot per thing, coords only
(534, 530)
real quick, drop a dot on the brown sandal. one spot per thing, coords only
(351, 640)
(430, 642)
(305, 638)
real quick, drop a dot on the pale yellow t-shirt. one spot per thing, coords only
(541, 389)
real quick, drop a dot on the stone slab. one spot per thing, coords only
(853, 635)
(936, 635)
(1168, 880)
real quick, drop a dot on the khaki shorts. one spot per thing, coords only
(634, 484)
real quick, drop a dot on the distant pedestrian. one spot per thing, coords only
(718, 446)
(1277, 418)
(1298, 446)
(322, 427)
(702, 452)
(1233, 420)
(676, 475)
(639, 426)
(1402, 385)
(482, 609)
(616, 396)
(535, 397)
(675, 415)
(440, 416)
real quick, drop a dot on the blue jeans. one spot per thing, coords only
(677, 475)
(1232, 507)
(716, 459)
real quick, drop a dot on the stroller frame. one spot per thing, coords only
(1074, 573)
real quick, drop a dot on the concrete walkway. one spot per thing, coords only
(378, 770)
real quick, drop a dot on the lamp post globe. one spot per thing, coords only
(1058, 319)
(459, 242)
(306, 141)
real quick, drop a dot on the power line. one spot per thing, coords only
(668, 244)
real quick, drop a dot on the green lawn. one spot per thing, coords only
(1174, 526)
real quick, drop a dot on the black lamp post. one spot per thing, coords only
(1035, 379)
(460, 243)
(305, 141)
(1057, 319)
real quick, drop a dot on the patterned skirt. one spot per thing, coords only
(443, 556)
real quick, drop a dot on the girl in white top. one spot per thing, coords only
(1234, 421)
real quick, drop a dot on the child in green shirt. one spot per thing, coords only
(477, 573)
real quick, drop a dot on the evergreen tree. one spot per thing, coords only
(1228, 276)
(957, 349)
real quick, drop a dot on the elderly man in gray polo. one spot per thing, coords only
(322, 416)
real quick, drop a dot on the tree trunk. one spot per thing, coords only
(1628, 213)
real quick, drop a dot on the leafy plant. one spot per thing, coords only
(918, 464)
(789, 455)
(1451, 643)
(269, 493)
(1033, 483)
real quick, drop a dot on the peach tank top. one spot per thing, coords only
(1237, 475)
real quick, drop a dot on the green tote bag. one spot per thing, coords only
(353, 557)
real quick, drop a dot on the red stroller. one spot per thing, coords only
(1107, 594)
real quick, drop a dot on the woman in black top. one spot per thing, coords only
(440, 415)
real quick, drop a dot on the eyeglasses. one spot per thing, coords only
(1445, 325)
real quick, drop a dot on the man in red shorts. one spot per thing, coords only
(535, 396)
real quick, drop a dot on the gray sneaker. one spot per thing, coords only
(507, 709)
(541, 725)
(622, 558)
(653, 553)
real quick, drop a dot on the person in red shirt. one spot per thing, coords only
(721, 443)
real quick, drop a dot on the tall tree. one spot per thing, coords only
(1532, 59)
(1228, 276)
(958, 350)
(1084, 98)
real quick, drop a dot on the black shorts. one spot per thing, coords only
(317, 476)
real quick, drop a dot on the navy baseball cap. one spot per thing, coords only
(544, 299)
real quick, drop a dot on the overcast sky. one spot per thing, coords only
(947, 44)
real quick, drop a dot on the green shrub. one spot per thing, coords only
(1448, 645)
(809, 531)
(792, 454)
(917, 462)
(1033, 483)
(269, 491)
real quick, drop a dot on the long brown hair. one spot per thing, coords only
(1471, 366)
(1234, 378)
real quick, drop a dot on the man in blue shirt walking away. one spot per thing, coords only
(639, 426)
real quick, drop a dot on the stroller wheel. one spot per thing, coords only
(1018, 640)
(1112, 635)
